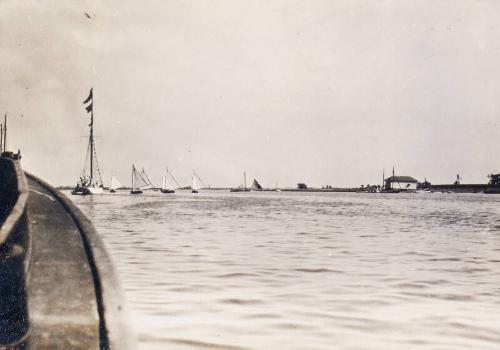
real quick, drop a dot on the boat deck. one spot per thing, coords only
(58, 288)
(61, 295)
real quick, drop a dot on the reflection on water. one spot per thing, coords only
(234, 271)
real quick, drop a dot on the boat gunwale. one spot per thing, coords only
(14, 218)
(114, 330)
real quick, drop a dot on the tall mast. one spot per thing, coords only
(133, 177)
(393, 178)
(91, 140)
(1, 138)
(5, 133)
(245, 178)
(383, 177)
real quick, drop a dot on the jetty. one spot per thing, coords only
(58, 287)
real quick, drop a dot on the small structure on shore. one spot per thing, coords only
(494, 179)
(426, 185)
(301, 186)
(401, 183)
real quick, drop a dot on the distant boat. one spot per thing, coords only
(277, 189)
(176, 181)
(243, 188)
(167, 185)
(115, 184)
(88, 183)
(196, 183)
(139, 182)
(256, 186)
(148, 184)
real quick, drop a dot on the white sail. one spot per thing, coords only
(164, 183)
(145, 179)
(197, 183)
(169, 182)
(133, 177)
(115, 184)
(138, 182)
(174, 179)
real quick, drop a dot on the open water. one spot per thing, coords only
(277, 270)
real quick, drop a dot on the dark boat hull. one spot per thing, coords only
(136, 192)
(239, 190)
(86, 191)
(167, 191)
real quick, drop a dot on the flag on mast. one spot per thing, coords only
(90, 99)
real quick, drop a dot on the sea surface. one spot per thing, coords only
(289, 271)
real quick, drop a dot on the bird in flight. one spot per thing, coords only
(87, 15)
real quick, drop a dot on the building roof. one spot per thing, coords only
(401, 179)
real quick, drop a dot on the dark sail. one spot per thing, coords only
(256, 185)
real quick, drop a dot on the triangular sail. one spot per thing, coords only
(138, 182)
(164, 183)
(147, 182)
(169, 182)
(256, 186)
(197, 183)
(115, 184)
(175, 180)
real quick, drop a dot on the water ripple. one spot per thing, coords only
(292, 271)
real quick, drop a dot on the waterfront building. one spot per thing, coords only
(401, 183)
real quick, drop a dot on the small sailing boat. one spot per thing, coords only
(256, 186)
(243, 188)
(139, 183)
(176, 181)
(196, 184)
(88, 183)
(145, 178)
(166, 183)
(115, 184)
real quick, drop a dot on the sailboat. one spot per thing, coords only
(115, 184)
(88, 183)
(256, 186)
(176, 181)
(166, 183)
(196, 183)
(149, 184)
(243, 188)
(139, 183)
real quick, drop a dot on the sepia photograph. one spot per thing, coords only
(249, 175)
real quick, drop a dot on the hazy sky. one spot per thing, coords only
(324, 92)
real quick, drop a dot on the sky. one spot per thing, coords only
(321, 92)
